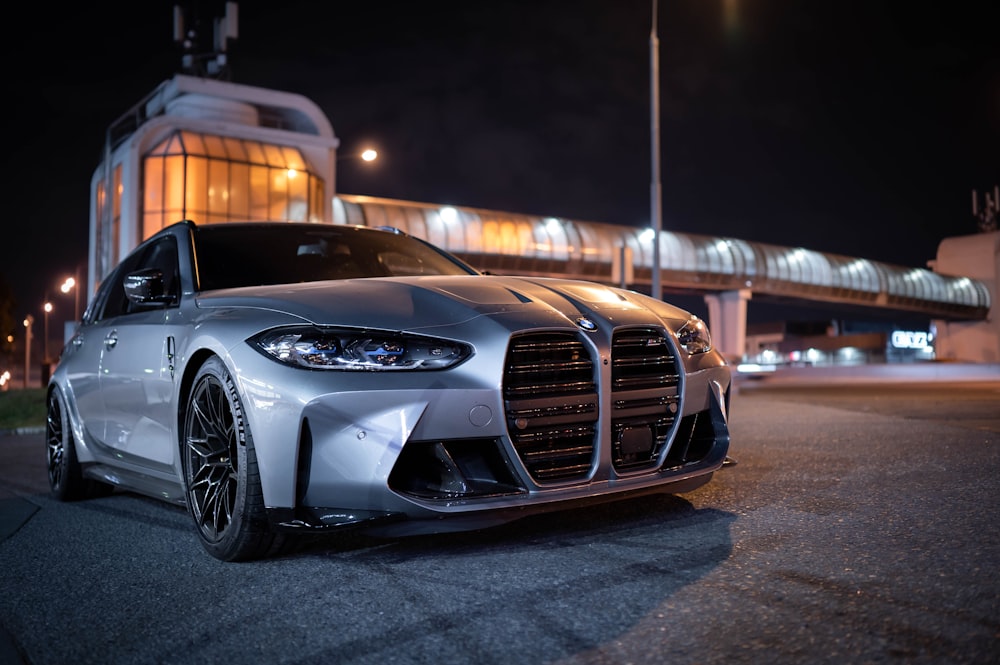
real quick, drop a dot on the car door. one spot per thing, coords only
(83, 355)
(136, 376)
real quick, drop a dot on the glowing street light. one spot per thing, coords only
(71, 285)
(366, 155)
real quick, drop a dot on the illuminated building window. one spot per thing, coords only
(209, 178)
(110, 220)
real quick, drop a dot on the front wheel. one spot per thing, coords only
(221, 477)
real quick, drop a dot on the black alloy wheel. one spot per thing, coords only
(66, 480)
(221, 478)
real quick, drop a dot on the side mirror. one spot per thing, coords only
(145, 287)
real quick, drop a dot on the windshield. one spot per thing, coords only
(234, 255)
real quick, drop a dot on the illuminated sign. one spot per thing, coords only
(910, 339)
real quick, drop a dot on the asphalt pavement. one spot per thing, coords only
(858, 526)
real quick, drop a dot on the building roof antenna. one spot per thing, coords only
(199, 57)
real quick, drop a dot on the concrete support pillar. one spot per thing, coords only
(727, 320)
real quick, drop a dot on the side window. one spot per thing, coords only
(161, 255)
(98, 305)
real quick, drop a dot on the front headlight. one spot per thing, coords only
(694, 336)
(344, 349)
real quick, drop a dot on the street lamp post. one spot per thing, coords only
(655, 189)
(368, 155)
(47, 307)
(28, 320)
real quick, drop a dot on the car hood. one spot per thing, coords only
(409, 303)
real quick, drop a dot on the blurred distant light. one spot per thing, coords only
(449, 214)
(849, 353)
(754, 368)
(369, 155)
(647, 235)
(856, 266)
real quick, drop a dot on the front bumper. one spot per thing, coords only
(384, 473)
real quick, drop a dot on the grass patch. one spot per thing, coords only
(22, 408)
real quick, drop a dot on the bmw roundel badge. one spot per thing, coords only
(586, 324)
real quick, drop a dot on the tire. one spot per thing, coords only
(66, 481)
(221, 478)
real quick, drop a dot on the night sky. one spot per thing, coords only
(857, 127)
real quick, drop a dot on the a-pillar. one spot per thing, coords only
(727, 321)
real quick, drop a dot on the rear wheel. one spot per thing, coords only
(66, 480)
(221, 478)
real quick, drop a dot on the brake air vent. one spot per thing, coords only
(645, 396)
(550, 400)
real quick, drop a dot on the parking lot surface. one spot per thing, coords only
(859, 525)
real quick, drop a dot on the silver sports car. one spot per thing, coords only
(282, 379)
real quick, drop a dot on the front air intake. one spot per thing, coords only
(551, 401)
(645, 396)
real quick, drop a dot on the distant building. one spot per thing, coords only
(975, 257)
(216, 151)
(837, 342)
